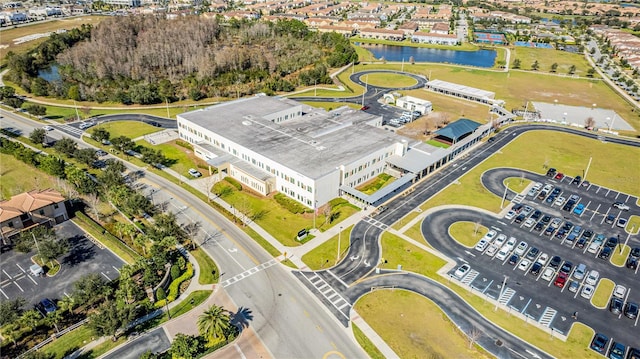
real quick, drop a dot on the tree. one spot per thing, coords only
(7, 92)
(52, 165)
(27, 239)
(185, 347)
(51, 248)
(37, 135)
(474, 335)
(90, 289)
(591, 72)
(166, 226)
(10, 310)
(13, 102)
(53, 318)
(516, 64)
(100, 134)
(554, 67)
(31, 318)
(572, 69)
(535, 66)
(123, 143)
(36, 110)
(213, 323)
(86, 155)
(589, 123)
(66, 146)
(66, 304)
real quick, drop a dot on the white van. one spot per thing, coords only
(503, 252)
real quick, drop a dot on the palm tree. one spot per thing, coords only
(213, 322)
(66, 304)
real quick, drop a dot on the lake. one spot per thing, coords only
(51, 74)
(479, 58)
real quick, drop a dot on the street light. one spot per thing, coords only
(504, 282)
(506, 188)
(608, 122)
(338, 255)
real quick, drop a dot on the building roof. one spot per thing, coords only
(461, 89)
(458, 129)
(28, 202)
(313, 143)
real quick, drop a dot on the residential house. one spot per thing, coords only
(30, 209)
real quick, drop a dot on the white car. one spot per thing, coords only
(521, 248)
(543, 258)
(503, 253)
(548, 274)
(524, 264)
(500, 239)
(461, 271)
(619, 291)
(510, 215)
(47, 128)
(587, 291)
(492, 250)
(194, 172)
(560, 201)
(537, 186)
(482, 245)
(490, 235)
(511, 242)
(593, 277)
(529, 223)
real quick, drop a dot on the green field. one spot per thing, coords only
(547, 57)
(517, 184)
(467, 233)
(420, 328)
(17, 177)
(633, 226)
(381, 79)
(131, 129)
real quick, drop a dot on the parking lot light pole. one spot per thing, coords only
(504, 282)
(504, 197)
(338, 255)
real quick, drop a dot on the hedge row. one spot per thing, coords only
(174, 287)
(184, 144)
(107, 239)
(288, 203)
(234, 183)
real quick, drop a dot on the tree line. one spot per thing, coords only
(149, 59)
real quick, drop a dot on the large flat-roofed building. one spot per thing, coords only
(462, 91)
(277, 144)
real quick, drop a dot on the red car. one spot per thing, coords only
(559, 176)
(561, 280)
(364, 108)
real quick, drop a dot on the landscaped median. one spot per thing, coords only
(98, 233)
(326, 254)
(412, 258)
(620, 254)
(602, 293)
(467, 233)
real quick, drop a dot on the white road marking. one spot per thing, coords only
(109, 279)
(19, 287)
(1, 291)
(18, 265)
(33, 280)
(7, 274)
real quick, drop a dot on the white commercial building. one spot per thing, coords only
(411, 103)
(277, 144)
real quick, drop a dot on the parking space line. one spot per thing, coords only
(117, 270)
(598, 190)
(525, 307)
(1, 291)
(109, 279)
(606, 194)
(588, 188)
(594, 212)
(33, 280)
(487, 287)
(19, 287)
(617, 195)
(24, 271)
(7, 274)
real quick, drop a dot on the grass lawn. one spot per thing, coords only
(467, 233)
(9, 35)
(277, 220)
(633, 226)
(376, 183)
(17, 177)
(435, 143)
(547, 57)
(69, 342)
(131, 129)
(184, 158)
(381, 79)
(209, 272)
(517, 184)
(412, 258)
(366, 344)
(602, 293)
(198, 297)
(453, 107)
(618, 257)
(409, 337)
(325, 254)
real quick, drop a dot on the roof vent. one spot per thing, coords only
(246, 123)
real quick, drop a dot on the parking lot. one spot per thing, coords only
(577, 234)
(84, 257)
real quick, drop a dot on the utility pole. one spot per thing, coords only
(366, 88)
(167, 102)
(76, 107)
(315, 212)
(504, 197)
(315, 87)
(587, 170)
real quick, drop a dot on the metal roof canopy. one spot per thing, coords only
(457, 129)
(382, 192)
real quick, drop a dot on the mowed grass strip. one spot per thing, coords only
(633, 226)
(397, 251)
(325, 255)
(420, 328)
(131, 129)
(619, 257)
(366, 344)
(382, 79)
(602, 293)
(467, 233)
(17, 177)
(517, 184)
(547, 57)
(209, 272)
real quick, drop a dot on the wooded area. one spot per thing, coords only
(149, 59)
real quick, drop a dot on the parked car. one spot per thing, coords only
(617, 351)
(510, 215)
(593, 277)
(635, 252)
(532, 253)
(514, 259)
(194, 172)
(632, 263)
(579, 209)
(610, 219)
(519, 218)
(521, 248)
(561, 280)
(524, 265)
(621, 206)
(581, 270)
(551, 172)
(599, 343)
(482, 245)
(500, 239)
(595, 245)
(615, 306)
(631, 310)
(574, 286)
(559, 201)
(536, 215)
(622, 222)
(555, 262)
(493, 249)
(490, 235)
(47, 128)
(503, 253)
(559, 176)
(548, 274)
(535, 269)
(587, 291)
(605, 253)
(619, 291)
(511, 243)
(556, 222)
(612, 242)
(543, 259)
(538, 227)
(461, 271)
(576, 180)
(566, 267)
(517, 208)
(47, 306)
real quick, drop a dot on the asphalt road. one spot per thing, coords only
(155, 341)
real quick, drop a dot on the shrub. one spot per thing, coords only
(160, 294)
(182, 263)
(288, 203)
(174, 287)
(337, 202)
(234, 183)
(184, 144)
(175, 272)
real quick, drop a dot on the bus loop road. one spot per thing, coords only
(340, 286)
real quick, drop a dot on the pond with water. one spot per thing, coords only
(478, 58)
